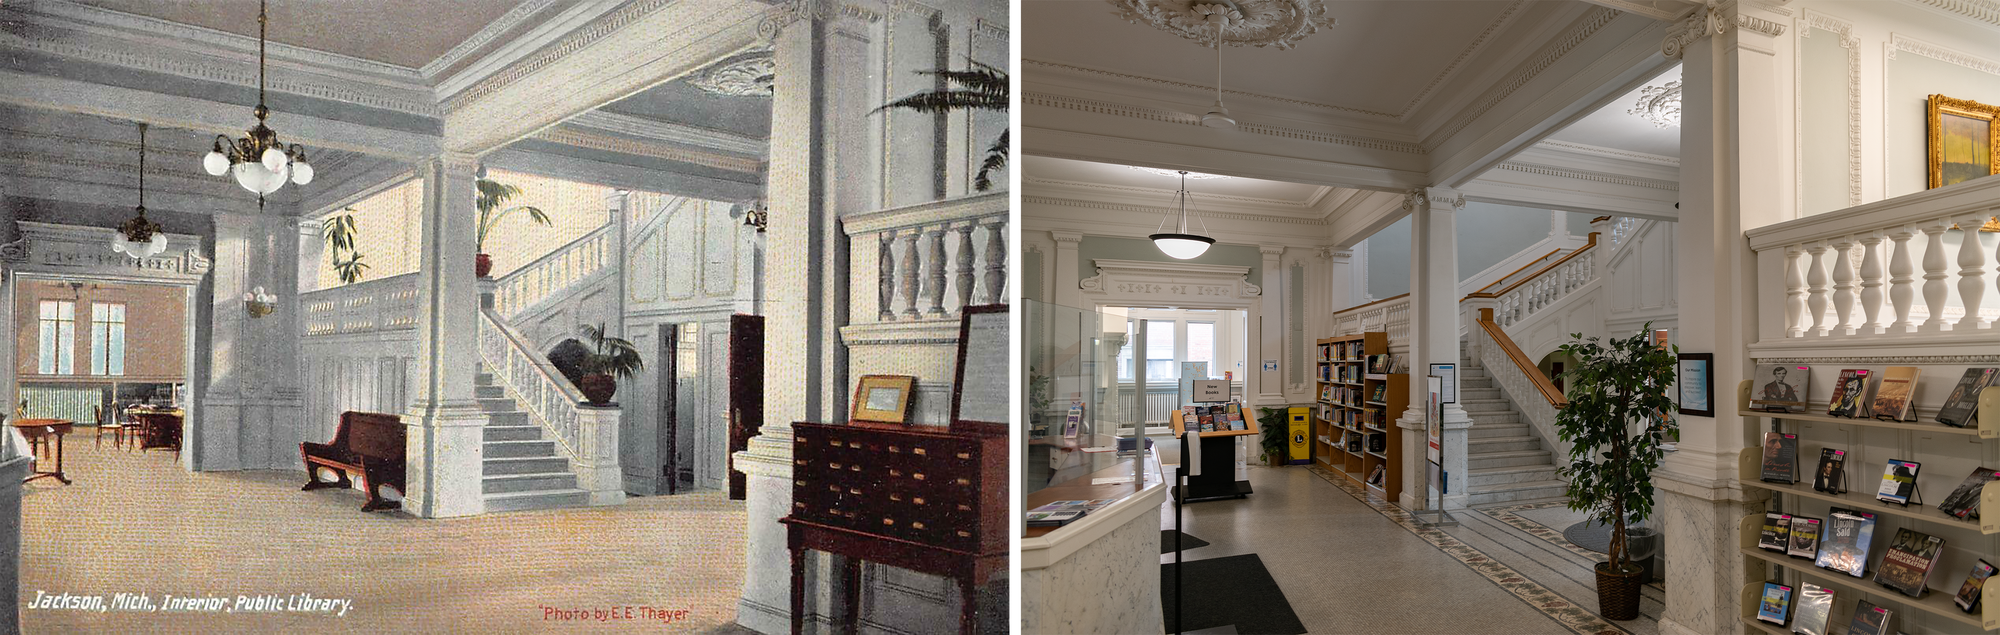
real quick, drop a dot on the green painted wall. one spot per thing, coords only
(1109, 248)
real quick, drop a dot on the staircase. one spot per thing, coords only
(522, 470)
(1506, 461)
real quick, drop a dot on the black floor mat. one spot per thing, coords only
(1234, 591)
(1188, 541)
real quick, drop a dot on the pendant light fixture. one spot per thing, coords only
(1181, 244)
(260, 162)
(1219, 116)
(140, 237)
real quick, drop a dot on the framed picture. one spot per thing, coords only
(1448, 373)
(1697, 384)
(979, 389)
(883, 398)
(1963, 137)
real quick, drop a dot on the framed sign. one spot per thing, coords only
(1434, 418)
(980, 389)
(1209, 391)
(883, 398)
(1696, 381)
(1448, 373)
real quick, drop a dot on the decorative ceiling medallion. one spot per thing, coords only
(1660, 105)
(1192, 176)
(1279, 23)
(749, 76)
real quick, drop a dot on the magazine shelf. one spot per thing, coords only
(1934, 602)
(1988, 428)
(1753, 592)
(1749, 465)
(1342, 413)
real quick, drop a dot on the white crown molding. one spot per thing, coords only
(1985, 13)
(1600, 152)
(562, 46)
(123, 40)
(1585, 175)
(544, 33)
(1168, 116)
(569, 136)
(1479, 44)
(1149, 209)
(1899, 42)
(492, 31)
(1809, 20)
(671, 133)
(1555, 50)
(1164, 193)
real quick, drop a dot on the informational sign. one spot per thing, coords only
(982, 390)
(1270, 365)
(1449, 373)
(1074, 422)
(1434, 417)
(1190, 372)
(1209, 391)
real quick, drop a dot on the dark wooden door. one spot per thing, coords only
(746, 390)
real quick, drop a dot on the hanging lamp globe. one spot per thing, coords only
(1181, 244)
(259, 161)
(139, 237)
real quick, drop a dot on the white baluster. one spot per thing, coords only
(996, 261)
(910, 267)
(934, 269)
(965, 277)
(1843, 285)
(1871, 283)
(1816, 290)
(1795, 291)
(886, 291)
(1900, 291)
(1935, 288)
(1971, 271)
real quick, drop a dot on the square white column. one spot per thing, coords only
(1433, 339)
(445, 447)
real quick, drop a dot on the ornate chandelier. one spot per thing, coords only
(260, 162)
(138, 236)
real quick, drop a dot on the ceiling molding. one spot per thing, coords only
(1984, 12)
(1168, 116)
(671, 132)
(1550, 53)
(541, 35)
(1148, 209)
(1168, 192)
(1607, 153)
(1478, 43)
(646, 148)
(1662, 10)
(202, 39)
(1900, 42)
(563, 47)
(1585, 175)
(1084, 70)
(492, 31)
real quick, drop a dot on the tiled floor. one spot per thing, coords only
(1348, 565)
(136, 523)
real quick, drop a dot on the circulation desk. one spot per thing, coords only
(1101, 573)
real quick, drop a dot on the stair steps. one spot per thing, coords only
(521, 469)
(1505, 460)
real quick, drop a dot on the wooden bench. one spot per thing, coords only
(369, 444)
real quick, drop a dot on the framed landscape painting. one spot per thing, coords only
(1963, 139)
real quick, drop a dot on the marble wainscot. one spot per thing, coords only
(1100, 574)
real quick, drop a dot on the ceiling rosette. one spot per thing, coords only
(1279, 23)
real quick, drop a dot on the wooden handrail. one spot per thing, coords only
(1601, 219)
(1591, 242)
(1525, 267)
(1521, 361)
(1364, 306)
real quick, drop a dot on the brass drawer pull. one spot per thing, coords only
(964, 508)
(965, 534)
(965, 455)
(917, 525)
(800, 505)
(919, 476)
(798, 461)
(854, 491)
(896, 450)
(895, 472)
(888, 521)
(964, 481)
(830, 488)
(833, 465)
(799, 482)
(853, 468)
(834, 442)
(854, 444)
(896, 497)
(918, 500)
(919, 451)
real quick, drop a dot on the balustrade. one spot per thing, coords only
(385, 304)
(929, 260)
(536, 281)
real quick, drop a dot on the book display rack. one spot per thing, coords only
(1935, 606)
(1353, 430)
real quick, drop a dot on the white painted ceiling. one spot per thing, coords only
(1110, 183)
(1612, 127)
(399, 32)
(1384, 57)
(680, 102)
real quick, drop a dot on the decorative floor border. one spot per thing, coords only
(1539, 597)
(1552, 535)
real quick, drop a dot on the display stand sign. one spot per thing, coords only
(1449, 373)
(1434, 442)
(1074, 422)
(1191, 372)
(981, 391)
(1208, 391)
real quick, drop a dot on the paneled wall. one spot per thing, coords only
(1639, 279)
(370, 372)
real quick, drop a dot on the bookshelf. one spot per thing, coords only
(1348, 411)
(1936, 604)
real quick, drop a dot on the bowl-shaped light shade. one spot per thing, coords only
(302, 172)
(1182, 246)
(253, 177)
(273, 159)
(139, 250)
(215, 164)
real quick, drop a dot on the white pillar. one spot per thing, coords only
(1269, 332)
(1343, 288)
(1735, 161)
(616, 207)
(1068, 270)
(1433, 339)
(445, 421)
(252, 410)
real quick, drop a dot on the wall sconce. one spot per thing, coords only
(757, 216)
(258, 303)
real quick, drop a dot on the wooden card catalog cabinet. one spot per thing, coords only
(938, 488)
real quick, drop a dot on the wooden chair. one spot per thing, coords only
(107, 419)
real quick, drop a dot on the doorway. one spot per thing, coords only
(1164, 349)
(693, 392)
(112, 356)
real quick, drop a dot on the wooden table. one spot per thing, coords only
(970, 570)
(158, 427)
(38, 429)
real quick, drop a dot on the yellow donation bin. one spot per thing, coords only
(1299, 427)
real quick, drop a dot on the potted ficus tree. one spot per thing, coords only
(1274, 443)
(1617, 417)
(610, 359)
(492, 195)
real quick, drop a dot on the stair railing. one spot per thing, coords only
(1531, 293)
(557, 270)
(1519, 379)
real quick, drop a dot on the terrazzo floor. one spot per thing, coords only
(136, 523)
(1352, 564)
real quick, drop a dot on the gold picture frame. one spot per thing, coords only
(1963, 139)
(883, 398)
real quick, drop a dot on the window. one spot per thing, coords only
(1201, 346)
(107, 338)
(1125, 365)
(1160, 351)
(58, 352)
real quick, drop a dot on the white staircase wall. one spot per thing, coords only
(1639, 279)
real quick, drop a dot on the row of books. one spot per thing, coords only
(1341, 351)
(1373, 442)
(1340, 373)
(1213, 418)
(1815, 606)
(1343, 395)
(1385, 364)
(1061, 513)
(1841, 543)
(1899, 476)
(1785, 388)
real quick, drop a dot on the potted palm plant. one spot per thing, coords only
(339, 233)
(610, 359)
(980, 88)
(492, 195)
(1617, 417)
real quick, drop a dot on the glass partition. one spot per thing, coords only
(1075, 359)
